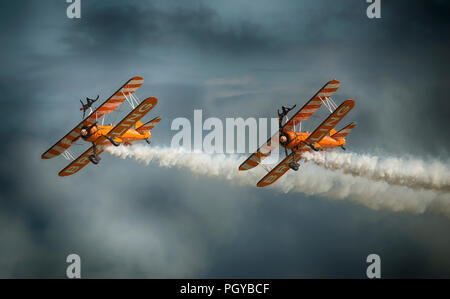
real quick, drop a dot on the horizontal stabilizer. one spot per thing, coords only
(345, 131)
(149, 125)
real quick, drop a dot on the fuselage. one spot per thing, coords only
(129, 137)
(295, 139)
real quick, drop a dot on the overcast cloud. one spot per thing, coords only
(231, 59)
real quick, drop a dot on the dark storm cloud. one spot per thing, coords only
(413, 22)
(132, 26)
(127, 220)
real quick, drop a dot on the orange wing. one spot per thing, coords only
(80, 162)
(262, 152)
(327, 125)
(134, 116)
(313, 104)
(278, 171)
(116, 99)
(107, 107)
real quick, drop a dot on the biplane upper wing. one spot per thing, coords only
(107, 107)
(149, 125)
(80, 162)
(116, 99)
(278, 171)
(328, 124)
(313, 104)
(262, 152)
(133, 117)
(344, 131)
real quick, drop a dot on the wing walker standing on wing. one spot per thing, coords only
(100, 135)
(324, 137)
(88, 105)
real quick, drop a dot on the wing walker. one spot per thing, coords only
(295, 141)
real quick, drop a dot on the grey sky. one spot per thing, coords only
(129, 220)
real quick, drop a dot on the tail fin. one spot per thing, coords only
(148, 126)
(332, 132)
(345, 131)
(138, 124)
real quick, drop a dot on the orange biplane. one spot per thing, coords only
(103, 135)
(298, 142)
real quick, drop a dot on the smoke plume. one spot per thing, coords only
(390, 184)
(409, 172)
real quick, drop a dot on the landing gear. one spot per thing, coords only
(294, 165)
(113, 142)
(94, 158)
(148, 141)
(343, 147)
(311, 145)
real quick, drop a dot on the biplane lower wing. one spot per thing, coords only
(149, 125)
(278, 171)
(327, 125)
(107, 107)
(344, 131)
(133, 117)
(262, 152)
(80, 162)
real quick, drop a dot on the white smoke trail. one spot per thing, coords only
(409, 172)
(310, 179)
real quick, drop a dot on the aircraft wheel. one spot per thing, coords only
(94, 159)
(294, 166)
